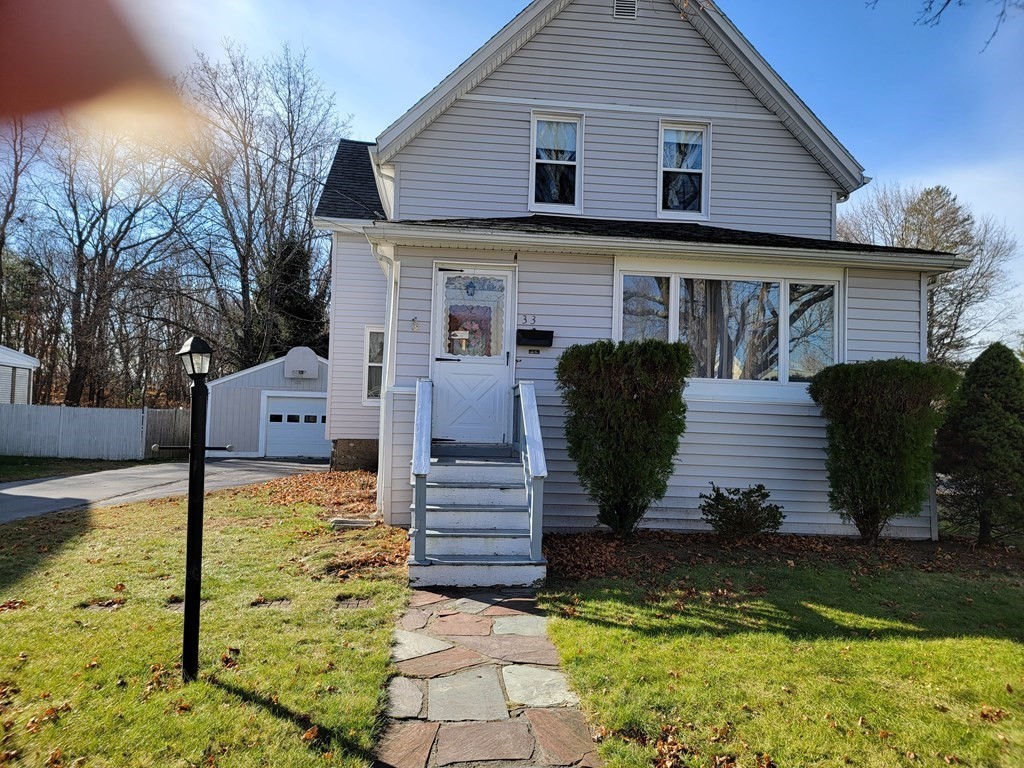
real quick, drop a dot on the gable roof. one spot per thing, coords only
(350, 191)
(709, 22)
(16, 359)
(255, 368)
(588, 235)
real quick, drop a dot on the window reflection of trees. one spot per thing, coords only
(645, 303)
(732, 327)
(811, 329)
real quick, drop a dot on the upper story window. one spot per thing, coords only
(683, 175)
(557, 166)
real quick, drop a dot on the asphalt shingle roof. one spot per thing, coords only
(682, 232)
(350, 191)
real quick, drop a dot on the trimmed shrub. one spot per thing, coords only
(624, 415)
(980, 449)
(882, 417)
(740, 514)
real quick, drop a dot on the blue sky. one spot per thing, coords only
(914, 104)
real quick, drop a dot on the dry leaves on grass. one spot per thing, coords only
(12, 605)
(597, 554)
(345, 494)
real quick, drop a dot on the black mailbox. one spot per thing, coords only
(531, 337)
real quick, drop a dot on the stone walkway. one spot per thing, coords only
(479, 681)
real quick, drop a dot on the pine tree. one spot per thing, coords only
(981, 448)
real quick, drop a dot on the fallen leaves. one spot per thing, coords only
(993, 714)
(343, 494)
(311, 734)
(12, 605)
(597, 554)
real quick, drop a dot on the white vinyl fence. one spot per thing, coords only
(88, 433)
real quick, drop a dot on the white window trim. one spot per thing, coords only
(559, 208)
(705, 192)
(371, 401)
(711, 390)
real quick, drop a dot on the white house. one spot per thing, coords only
(598, 169)
(16, 372)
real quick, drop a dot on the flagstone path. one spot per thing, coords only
(479, 681)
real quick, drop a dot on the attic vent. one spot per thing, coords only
(624, 9)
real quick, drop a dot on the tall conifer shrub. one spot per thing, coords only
(624, 416)
(981, 448)
(882, 417)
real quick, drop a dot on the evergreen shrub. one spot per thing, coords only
(980, 449)
(624, 416)
(740, 514)
(882, 416)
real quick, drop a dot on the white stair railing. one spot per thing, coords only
(528, 441)
(420, 470)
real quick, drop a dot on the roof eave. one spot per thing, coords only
(398, 234)
(335, 224)
(467, 75)
(775, 93)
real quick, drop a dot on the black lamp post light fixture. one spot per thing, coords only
(195, 355)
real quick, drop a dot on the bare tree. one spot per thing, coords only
(962, 305)
(20, 144)
(270, 135)
(111, 205)
(933, 11)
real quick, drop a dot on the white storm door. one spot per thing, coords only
(472, 367)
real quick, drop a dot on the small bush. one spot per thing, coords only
(882, 417)
(740, 514)
(624, 415)
(980, 449)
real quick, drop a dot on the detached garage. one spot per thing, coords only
(16, 371)
(277, 409)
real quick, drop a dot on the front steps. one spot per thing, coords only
(477, 520)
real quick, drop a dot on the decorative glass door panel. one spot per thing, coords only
(472, 366)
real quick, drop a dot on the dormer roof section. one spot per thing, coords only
(709, 21)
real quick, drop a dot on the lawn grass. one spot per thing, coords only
(34, 467)
(765, 659)
(294, 684)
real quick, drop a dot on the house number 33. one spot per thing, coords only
(527, 319)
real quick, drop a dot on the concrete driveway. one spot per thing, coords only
(28, 498)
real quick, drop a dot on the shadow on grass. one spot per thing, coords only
(824, 603)
(327, 738)
(26, 544)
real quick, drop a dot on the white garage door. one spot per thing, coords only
(296, 427)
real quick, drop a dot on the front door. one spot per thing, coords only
(472, 354)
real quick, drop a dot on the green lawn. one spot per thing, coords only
(771, 658)
(33, 467)
(88, 660)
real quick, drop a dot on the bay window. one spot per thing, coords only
(737, 328)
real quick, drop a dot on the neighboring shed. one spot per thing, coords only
(276, 409)
(16, 372)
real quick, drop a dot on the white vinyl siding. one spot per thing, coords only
(358, 298)
(760, 177)
(885, 315)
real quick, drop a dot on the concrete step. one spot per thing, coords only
(479, 517)
(503, 471)
(475, 542)
(472, 571)
(469, 494)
